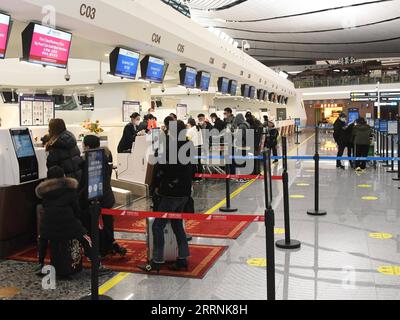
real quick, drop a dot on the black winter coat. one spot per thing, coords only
(60, 220)
(339, 133)
(219, 125)
(65, 153)
(128, 138)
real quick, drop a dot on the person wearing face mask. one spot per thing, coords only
(339, 134)
(131, 130)
(229, 118)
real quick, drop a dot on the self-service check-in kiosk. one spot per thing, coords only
(21, 168)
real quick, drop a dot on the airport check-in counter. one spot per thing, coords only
(21, 169)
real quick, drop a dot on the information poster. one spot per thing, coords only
(353, 115)
(181, 111)
(129, 107)
(36, 111)
(392, 127)
(95, 173)
(297, 122)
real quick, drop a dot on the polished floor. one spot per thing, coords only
(351, 253)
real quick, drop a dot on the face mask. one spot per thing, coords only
(343, 119)
(137, 122)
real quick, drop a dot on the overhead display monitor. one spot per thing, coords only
(223, 85)
(124, 63)
(46, 46)
(203, 80)
(252, 93)
(245, 90)
(5, 22)
(260, 94)
(153, 69)
(232, 87)
(188, 76)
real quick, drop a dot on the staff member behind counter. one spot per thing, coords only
(131, 130)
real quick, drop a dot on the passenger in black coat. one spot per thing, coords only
(63, 150)
(108, 245)
(60, 220)
(218, 123)
(339, 134)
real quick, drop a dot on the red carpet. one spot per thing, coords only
(203, 229)
(201, 261)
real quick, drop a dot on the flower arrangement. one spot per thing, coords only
(93, 127)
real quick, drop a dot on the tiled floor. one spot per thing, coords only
(338, 258)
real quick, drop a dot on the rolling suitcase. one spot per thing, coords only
(171, 246)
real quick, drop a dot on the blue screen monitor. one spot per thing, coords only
(203, 80)
(232, 87)
(245, 90)
(124, 63)
(252, 93)
(95, 173)
(188, 77)
(153, 69)
(223, 85)
(23, 144)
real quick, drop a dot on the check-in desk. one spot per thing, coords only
(135, 169)
(21, 169)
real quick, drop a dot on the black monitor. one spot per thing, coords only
(188, 76)
(245, 90)
(223, 85)
(232, 89)
(46, 46)
(124, 63)
(5, 26)
(260, 94)
(203, 80)
(252, 93)
(153, 69)
(25, 153)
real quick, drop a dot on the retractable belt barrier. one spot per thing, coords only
(183, 216)
(331, 158)
(235, 176)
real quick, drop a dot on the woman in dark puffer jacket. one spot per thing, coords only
(63, 150)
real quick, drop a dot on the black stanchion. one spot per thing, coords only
(297, 135)
(95, 212)
(392, 170)
(287, 243)
(316, 211)
(228, 193)
(386, 150)
(269, 228)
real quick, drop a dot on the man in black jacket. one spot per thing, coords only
(339, 134)
(173, 183)
(131, 130)
(218, 123)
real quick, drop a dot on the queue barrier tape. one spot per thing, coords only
(326, 158)
(183, 216)
(235, 176)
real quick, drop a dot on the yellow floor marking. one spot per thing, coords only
(366, 186)
(389, 270)
(369, 198)
(303, 184)
(112, 282)
(121, 276)
(257, 262)
(9, 292)
(297, 196)
(382, 236)
(279, 231)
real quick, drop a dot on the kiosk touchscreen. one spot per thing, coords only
(25, 153)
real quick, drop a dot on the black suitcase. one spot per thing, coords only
(66, 257)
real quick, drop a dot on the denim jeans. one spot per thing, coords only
(170, 204)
